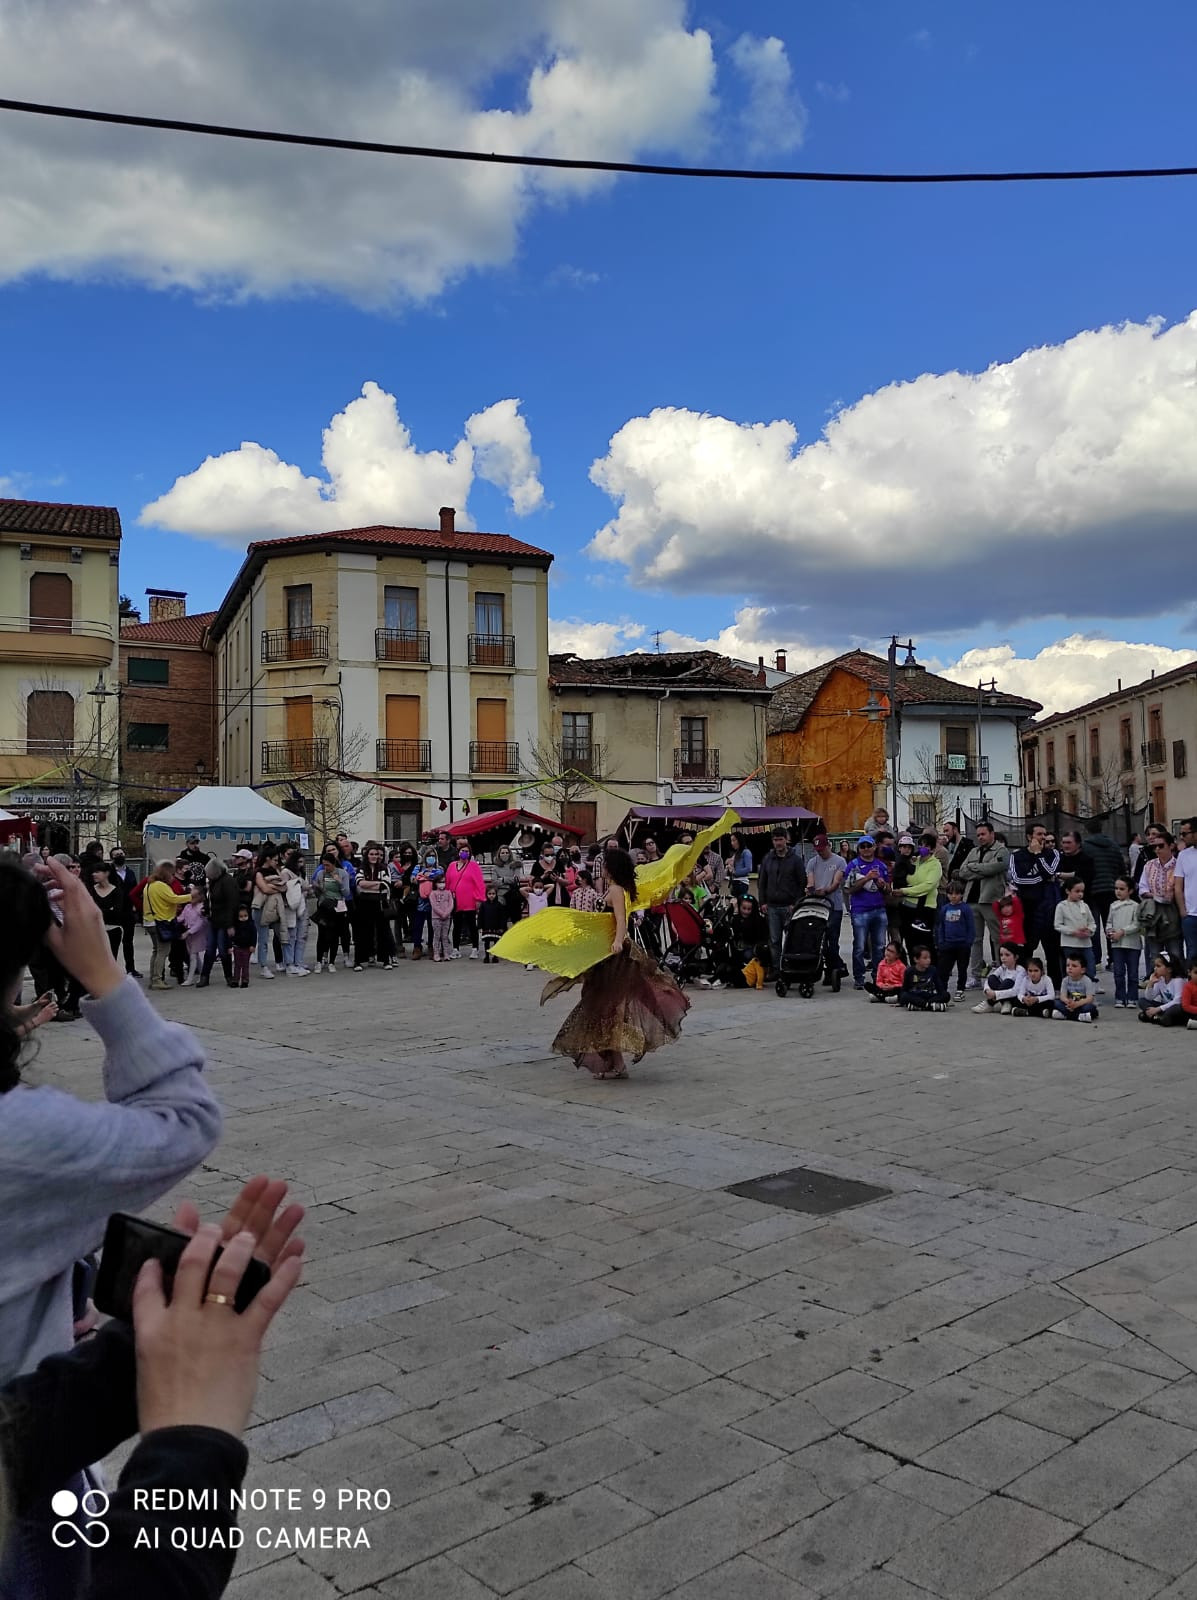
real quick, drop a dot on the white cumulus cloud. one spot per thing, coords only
(774, 117)
(572, 636)
(1019, 492)
(1069, 672)
(373, 473)
(619, 80)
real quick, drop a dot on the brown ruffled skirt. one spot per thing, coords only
(628, 1007)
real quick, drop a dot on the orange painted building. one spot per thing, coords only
(828, 754)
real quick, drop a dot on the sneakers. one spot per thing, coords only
(388, 966)
(1192, 1023)
(979, 1011)
(455, 955)
(938, 1005)
(346, 963)
(1084, 1017)
(960, 994)
(357, 966)
(265, 972)
(297, 972)
(1005, 1008)
(473, 955)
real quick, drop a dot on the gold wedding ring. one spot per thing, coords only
(218, 1299)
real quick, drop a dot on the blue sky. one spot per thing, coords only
(748, 302)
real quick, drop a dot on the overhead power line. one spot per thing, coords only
(572, 164)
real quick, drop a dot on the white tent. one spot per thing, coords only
(220, 818)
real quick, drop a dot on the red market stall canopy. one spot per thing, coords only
(15, 827)
(486, 821)
(753, 819)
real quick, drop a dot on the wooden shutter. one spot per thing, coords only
(50, 602)
(403, 716)
(299, 717)
(492, 721)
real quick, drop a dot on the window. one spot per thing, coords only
(1072, 759)
(1051, 761)
(401, 608)
(575, 731)
(148, 736)
(1029, 765)
(402, 820)
(1126, 745)
(49, 721)
(955, 742)
(144, 669)
(1159, 803)
(1155, 724)
(693, 732)
(299, 606)
(488, 615)
(1095, 752)
(1179, 767)
(922, 813)
(50, 603)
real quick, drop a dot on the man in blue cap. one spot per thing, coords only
(865, 884)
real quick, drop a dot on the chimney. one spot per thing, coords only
(760, 663)
(779, 661)
(166, 604)
(447, 515)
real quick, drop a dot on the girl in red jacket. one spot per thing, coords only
(1010, 920)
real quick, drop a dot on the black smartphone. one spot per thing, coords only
(131, 1241)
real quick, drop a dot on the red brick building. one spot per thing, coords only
(168, 707)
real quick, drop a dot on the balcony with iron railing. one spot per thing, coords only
(59, 639)
(494, 755)
(691, 765)
(48, 750)
(401, 644)
(294, 755)
(966, 770)
(1155, 753)
(404, 755)
(490, 649)
(581, 758)
(281, 645)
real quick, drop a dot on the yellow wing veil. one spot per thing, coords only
(568, 943)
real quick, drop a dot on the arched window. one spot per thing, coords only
(50, 603)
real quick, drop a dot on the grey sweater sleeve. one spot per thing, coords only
(66, 1164)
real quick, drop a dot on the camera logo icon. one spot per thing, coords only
(66, 1533)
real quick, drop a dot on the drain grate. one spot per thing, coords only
(804, 1189)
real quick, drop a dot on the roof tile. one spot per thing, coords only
(647, 669)
(496, 544)
(791, 701)
(44, 516)
(173, 630)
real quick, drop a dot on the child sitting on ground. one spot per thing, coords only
(492, 921)
(1002, 984)
(1075, 1002)
(922, 987)
(955, 930)
(1160, 1001)
(1010, 920)
(1037, 995)
(891, 971)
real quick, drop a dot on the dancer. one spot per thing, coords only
(628, 1006)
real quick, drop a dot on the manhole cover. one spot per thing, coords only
(804, 1189)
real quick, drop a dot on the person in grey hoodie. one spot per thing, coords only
(66, 1164)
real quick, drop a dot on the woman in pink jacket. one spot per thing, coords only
(464, 878)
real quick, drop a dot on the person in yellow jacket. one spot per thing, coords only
(920, 897)
(160, 903)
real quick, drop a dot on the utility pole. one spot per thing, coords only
(894, 726)
(982, 690)
(101, 694)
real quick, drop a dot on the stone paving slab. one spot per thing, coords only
(579, 1368)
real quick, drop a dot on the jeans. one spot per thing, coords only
(834, 923)
(293, 950)
(219, 944)
(1126, 974)
(1089, 1009)
(421, 924)
(778, 917)
(869, 930)
(1188, 932)
(264, 933)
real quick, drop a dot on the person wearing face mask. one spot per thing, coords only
(425, 877)
(464, 880)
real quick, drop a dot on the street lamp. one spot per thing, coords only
(983, 689)
(101, 694)
(894, 728)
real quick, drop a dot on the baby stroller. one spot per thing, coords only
(804, 954)
(685, 953)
